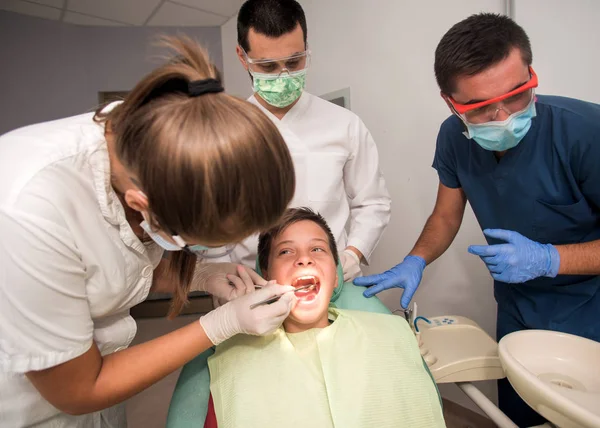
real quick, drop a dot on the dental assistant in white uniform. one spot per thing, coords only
(335, 157)
(87, 206)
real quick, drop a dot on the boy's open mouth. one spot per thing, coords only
(310, 293)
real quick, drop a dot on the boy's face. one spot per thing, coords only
(301, 255)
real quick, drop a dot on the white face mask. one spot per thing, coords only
(179, 244)
(162, 242)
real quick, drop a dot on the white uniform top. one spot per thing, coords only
(337, 174)
(70, 264)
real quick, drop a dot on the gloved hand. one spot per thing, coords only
(225, 281)
(520, 260)
(236, 316)
(350, 265)
(406, 275)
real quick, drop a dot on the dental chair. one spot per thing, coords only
(189, 404)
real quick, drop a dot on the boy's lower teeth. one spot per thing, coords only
(307, 290)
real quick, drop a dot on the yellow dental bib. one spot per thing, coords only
(363, 370)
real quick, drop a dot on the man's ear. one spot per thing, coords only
(445, 97)
(241, 56)
(452, 111)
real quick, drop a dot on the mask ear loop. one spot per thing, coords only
(179, 241)
(176, 238)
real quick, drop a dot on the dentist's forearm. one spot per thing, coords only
(579, 259)
(91, 382)
(128, 372)
(436, 237)
(443, 224)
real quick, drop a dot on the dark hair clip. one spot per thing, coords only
(207, 86)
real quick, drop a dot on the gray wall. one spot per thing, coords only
(50, 70)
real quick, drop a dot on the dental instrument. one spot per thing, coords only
(276, 298)
(408, 314)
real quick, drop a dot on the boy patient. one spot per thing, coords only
(325, 367)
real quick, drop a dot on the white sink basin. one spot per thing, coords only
(557, 374)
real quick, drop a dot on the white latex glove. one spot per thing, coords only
(236, 316)
(350, 265)
(225, 281)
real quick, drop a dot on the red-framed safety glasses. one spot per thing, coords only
(464, 108)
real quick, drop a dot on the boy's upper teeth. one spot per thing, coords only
(305, 280)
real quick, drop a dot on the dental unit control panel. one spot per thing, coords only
(455, 348)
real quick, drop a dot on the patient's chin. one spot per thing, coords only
(310, 311)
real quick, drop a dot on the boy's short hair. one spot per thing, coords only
(291, 216)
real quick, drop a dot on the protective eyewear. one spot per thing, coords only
(293, 63)
(511, 102)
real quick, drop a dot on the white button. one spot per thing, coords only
(147, 271)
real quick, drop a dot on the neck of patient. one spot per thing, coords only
(292, 326)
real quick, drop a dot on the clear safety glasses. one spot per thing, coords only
(512, 102)
(290, 64)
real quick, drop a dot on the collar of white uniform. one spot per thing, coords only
(108, 201)
(299, 107)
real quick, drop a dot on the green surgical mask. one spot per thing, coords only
(280, 90)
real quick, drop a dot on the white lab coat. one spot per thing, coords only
(337, 174)
(70, 265)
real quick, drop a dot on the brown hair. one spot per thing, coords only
(273, 18)
(291, 216)
(475, 44)
(213, 167)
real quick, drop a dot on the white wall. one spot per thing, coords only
(565, 38)
(51, 69)
(236, 79)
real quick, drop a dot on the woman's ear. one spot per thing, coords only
(136, 200)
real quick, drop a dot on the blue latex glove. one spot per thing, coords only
(406, 275)
(519, 260)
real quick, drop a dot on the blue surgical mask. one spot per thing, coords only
(167, 245)
(502, 136)
(162, 242)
